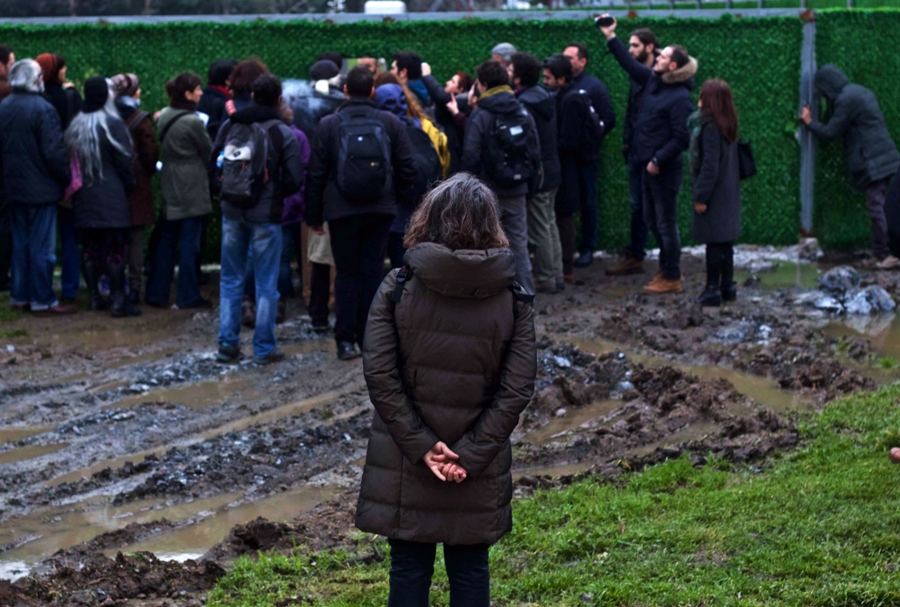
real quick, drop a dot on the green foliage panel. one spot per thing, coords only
(849, 39)
(760, 58)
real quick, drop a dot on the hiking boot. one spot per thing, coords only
(664, 285)
(548, 288)
(584, 260)
(274, 356)
(729, 293)
(347, 351)
(248, 314)
(280, 311)
(228, 354)
(627, 266)
(888, 263)
(656, 278)
(711, 297)
(56, 310)
(121, 305)
(92, 278)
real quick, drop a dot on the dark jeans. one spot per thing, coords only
(396, 250)
(5, 246)
(639, 230)
(358, 244)
(412, 565)
(34, 255)
(70, 257)
(290, 245)
(661, 215)
(319, 293)
(183, 234)
(565, 222)
(587, 182)
(875, 195)
(720, 265)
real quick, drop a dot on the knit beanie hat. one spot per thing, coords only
(125, 85)
(50, 66)
(96, 94)
(323, 70)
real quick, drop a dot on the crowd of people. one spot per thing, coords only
(352, 159)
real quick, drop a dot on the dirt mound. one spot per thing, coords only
(131, 534)
(103, 581)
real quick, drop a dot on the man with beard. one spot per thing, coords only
(659, 139)
(643, 47)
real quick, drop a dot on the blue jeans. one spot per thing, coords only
(183, 233)
(34, 255)
(639, 229)
(587, 177)
(71, 257)
(285, 284)
(262, 242)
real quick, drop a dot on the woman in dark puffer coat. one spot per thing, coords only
(450, 363)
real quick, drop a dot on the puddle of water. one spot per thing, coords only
(13, 570)
(784, 276)
(113, 464)
(574, 417)
(29, 452)
(13, 434)
(692, 432)
(196, 396)
(761, 389)
(198, 538)
(883, 331)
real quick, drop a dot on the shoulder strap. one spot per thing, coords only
(403, 277)
(520, 295)
(136, 119)
(165, 131)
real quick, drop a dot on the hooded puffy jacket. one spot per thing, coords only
(542, 107)
(855, 114)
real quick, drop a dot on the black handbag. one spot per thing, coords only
(746, 163)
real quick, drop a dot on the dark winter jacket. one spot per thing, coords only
(146, 151)
(454, 362)
(184, 153)
(573, 117)
(542, 107)
(240, 102)
(102, 202)
(635, 90)
(295, 205)
(212, 103)
(446, 120)
(660, 127)
(716, 180)
(600, 99)
(66, 100)
(479, 128)
(34, 158)
(309, 111)
(855, 114)
(323, 200)
(284, 162)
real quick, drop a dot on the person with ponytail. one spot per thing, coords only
(716, 179)
(184, 149)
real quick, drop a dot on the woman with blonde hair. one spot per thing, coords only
(450, 362)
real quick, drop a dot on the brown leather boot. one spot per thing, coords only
(664, 285)
(627, 266)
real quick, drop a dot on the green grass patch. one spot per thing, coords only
(10, 333)
(887, 363)
(9, 314)
(817, 526)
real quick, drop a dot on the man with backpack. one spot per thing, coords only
(503, 149)
(257, 164)
(579, 133)
(362, 166)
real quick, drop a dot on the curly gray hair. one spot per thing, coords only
(26, 75)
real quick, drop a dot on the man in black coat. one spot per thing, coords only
(872, 157)
(543, 235)
(573, 118)
(359, 228)
(484, 152)
(596, 91)
(35, 167)
(660, 138)
(643, 46)
(216, 94)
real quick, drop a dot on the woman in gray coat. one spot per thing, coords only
(716, 178)
(100, 141)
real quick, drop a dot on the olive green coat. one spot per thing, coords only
(184, 154)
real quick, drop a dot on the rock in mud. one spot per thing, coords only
(840, 280)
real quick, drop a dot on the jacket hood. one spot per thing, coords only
(538, 101)
(462, 273)
(830, 81)
(254, 113)
(683, 74)
(391, 98)
(499, 103)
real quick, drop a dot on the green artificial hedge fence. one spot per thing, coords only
(858, 43)
(760, 58)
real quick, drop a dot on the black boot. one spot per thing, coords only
(92, 277)
(729, 288)
(711, 297)
(121, 305)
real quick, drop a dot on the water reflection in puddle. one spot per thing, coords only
(21, 454)
(784, 275)
(575, 416)
(13, 434)
(882, 331)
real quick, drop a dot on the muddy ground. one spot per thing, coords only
(123, 438)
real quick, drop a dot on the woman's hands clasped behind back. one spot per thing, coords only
(439, 461)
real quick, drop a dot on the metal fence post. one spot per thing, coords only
(807, 142)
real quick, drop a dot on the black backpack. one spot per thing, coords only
(509, 162)
(427, 162)
(364, 157)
